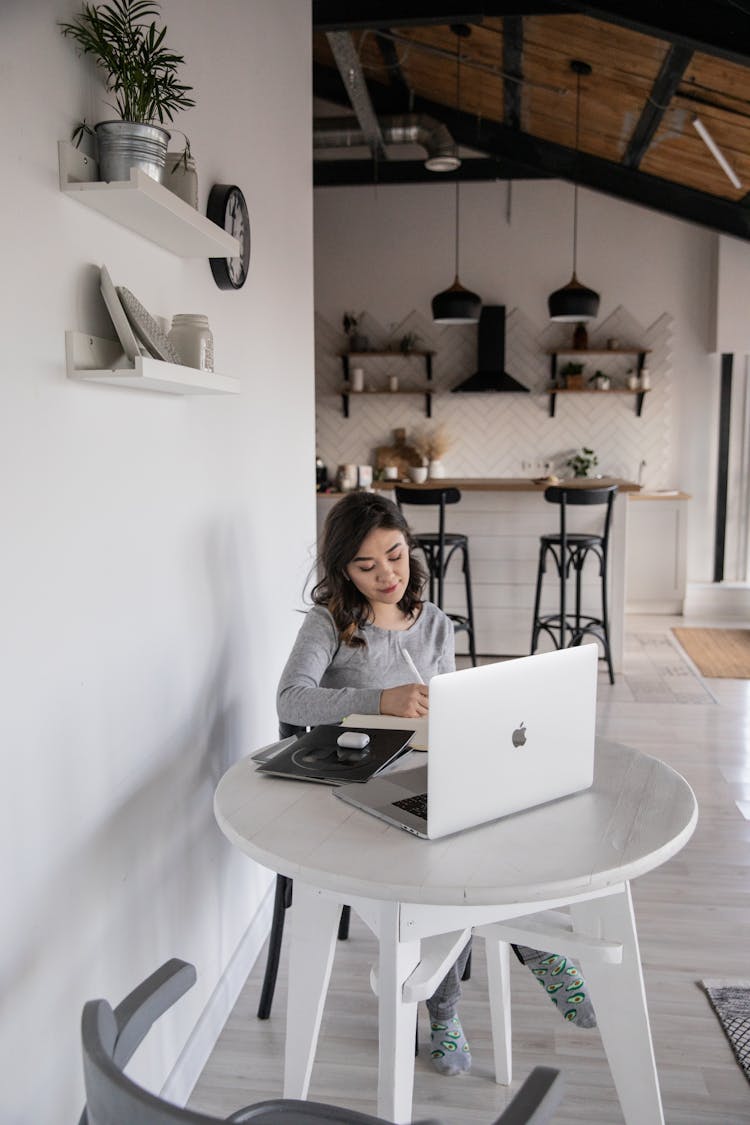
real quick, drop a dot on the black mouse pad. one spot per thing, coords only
(316, 755)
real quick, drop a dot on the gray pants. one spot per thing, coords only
(444, 1000)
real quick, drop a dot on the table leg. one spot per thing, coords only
(397, 1019)
(315, 921)
(498, 979)
(619, 999)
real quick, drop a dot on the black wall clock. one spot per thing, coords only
(227, 208)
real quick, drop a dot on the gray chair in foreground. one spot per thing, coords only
(109, 1039)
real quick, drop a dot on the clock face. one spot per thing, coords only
(227, 208)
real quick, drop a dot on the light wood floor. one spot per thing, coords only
(693, 918)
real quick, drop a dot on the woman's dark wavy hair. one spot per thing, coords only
(348, 524)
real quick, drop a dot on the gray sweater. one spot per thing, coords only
(324, 681)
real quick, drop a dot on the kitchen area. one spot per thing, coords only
(473, 406)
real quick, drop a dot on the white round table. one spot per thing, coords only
(505, 881)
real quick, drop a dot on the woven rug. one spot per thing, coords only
(720, 654)
(731, 1002)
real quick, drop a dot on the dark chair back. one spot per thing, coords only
(406, 495)
(433, 544)
(574, 496)
(437, 497)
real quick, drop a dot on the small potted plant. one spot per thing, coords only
(408, 342)
(600, 380)
(351, 322)
(142, 75)
(582, 461)
(572, 374)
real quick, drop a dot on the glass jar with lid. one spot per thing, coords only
(193, 339)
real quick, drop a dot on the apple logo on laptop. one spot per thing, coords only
(519, 736)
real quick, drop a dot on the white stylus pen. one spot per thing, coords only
(412, 666)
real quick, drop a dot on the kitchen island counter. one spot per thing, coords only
(510, 484)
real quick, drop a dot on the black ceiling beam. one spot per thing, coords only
(363, 173)
(644, 191)
(513, 70)
(392, 63)
(712, 26)
(672, 71)
(343, 15)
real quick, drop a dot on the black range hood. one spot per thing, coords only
(491, 374)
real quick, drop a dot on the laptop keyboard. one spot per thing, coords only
(416, 805)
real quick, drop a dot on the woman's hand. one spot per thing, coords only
(408, 701)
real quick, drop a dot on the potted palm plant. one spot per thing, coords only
(141, 73)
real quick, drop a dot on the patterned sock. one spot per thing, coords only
(562, 981)
(449, 1050)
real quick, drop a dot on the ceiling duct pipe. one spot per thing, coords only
(403, 129)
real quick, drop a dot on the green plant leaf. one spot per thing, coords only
(138, 68)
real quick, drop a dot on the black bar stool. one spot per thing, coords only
(439, 548)
(282, 901)
(569, 550)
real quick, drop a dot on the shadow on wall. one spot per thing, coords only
(150, 881)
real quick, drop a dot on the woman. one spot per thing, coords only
(350, 657)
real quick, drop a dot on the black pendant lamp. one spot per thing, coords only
(574, 302)
(457, 305)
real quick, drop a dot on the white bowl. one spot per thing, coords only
(418, 473)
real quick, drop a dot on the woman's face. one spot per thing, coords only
(380, 569)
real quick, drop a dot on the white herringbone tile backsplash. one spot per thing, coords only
(503, 435)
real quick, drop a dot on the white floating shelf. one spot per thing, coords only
(93, 359)
(144, 206)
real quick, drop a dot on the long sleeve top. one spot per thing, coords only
(324, 681)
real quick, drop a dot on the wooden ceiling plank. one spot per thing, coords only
(671, 74)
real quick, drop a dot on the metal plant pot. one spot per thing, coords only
(122, 145)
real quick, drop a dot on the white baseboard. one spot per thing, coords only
(718, 599)
(670, 607)
(194, 1056)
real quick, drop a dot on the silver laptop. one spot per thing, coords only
(502, 738)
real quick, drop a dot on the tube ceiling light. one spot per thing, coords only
(574, 302)
(457, 305)
(716, 152)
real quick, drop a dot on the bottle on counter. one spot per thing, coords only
(321, 475)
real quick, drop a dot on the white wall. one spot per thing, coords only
(148, 578)
(390, 249)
